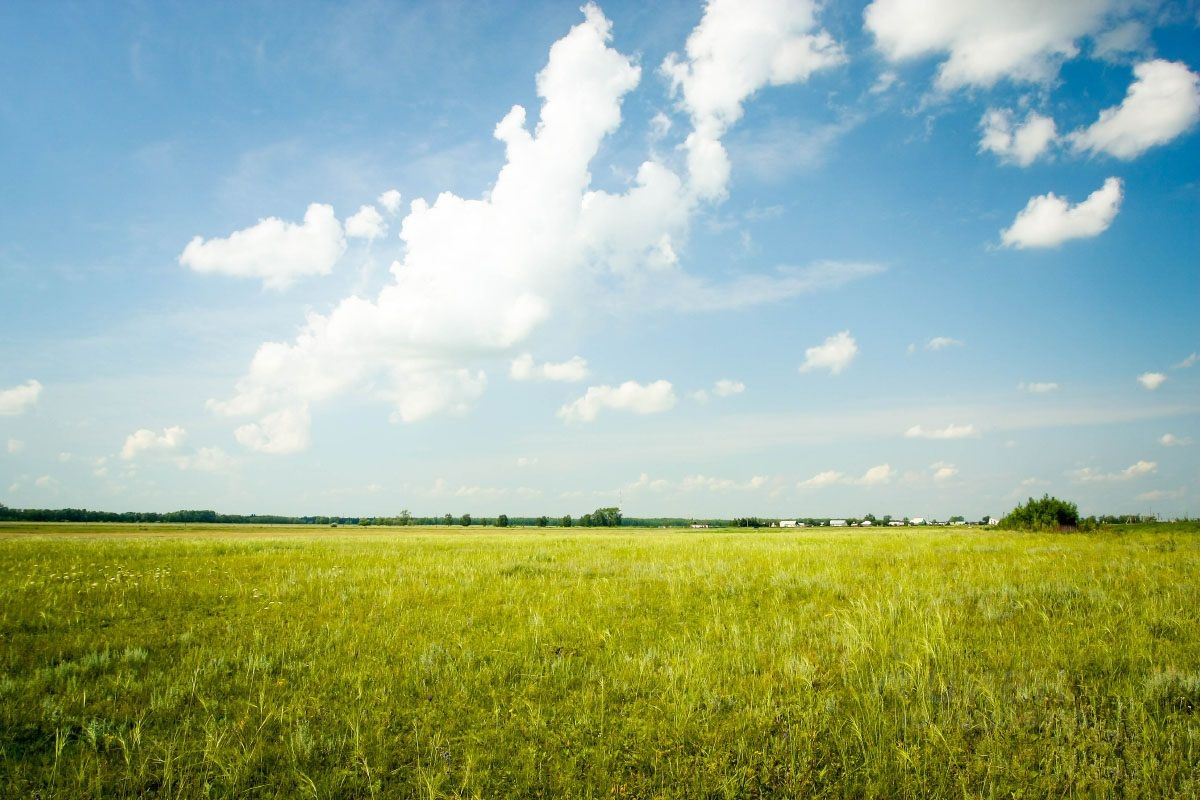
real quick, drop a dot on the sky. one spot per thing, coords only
(743, 257)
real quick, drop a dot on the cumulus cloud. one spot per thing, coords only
(875, 476)
(942, 342)
(834, 354)
(650, 398)
(1125, 39)
(1188, 362)
(706, 483)
(1162, 102)
(46, 482)
(1038, 388)
(390, 200)
(1049, 220)
(1171, 440)
(283, 431)
(727, 388)
(146, 442)
(20, 398)
(276, 251)
(739, 47)
(1152, 380)
(985, 41)
(951, 431)
(829, 477)
(523, 368)
(15, 446)
(943, 472)
(1020, 144)
(1090, 475)
(477, 277)
(367, 223)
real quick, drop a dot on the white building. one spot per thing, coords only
(866, 523)
(837, 523)
(787, 523)
(917, 521)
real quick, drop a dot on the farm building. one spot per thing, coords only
(787, 523)
(866, 523)
(837, 523)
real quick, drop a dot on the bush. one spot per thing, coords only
(1047, 514)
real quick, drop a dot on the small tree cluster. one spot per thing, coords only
(1047, 514)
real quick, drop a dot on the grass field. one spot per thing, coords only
(284, 662)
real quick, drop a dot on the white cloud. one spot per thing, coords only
(700, 395)
(1152, 380)
(15, 446)
(1089, 475)
(985, 41)
(526, 461)
(886, 80)
(834, 354)
(46, 482)
(146, 441)
(478, 276)
(829, 477)
(1020, 145)
(1171, 440)
(283, 431)
(1162, 494)
(20, 398)
(739, 47)
(1188, 362)
(206, 459)
(367, 223)
(951, 431)
(1038, 388)
(727, 388)
(1127, 38)
(943, 472)
(875, 476)
(276, 251)
(1162, 102)
(693, 483)
(1049, 220)
(523, 368)
(942, 342)
(390, 200)
(650, 398)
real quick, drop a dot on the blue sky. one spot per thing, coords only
(773, 258)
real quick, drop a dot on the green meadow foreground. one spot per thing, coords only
(290, 662)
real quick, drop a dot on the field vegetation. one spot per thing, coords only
(188, 662)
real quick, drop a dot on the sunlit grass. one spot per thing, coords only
(558, 663)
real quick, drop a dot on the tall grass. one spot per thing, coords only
(413, 663)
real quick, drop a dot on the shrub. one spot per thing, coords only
(1049, 513)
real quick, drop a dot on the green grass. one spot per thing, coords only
(288, 662)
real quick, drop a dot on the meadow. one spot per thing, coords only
(187, 662)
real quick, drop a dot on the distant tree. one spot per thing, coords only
(1048, 513)
(607, 517)
(566, 521)
(448, 519)
(405, 518)
(543, 522)
(957, 518)
(586, 520)
(870, 518)
(466, 520)
(502, 521)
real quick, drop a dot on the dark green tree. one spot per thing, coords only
(1046, 514)
(566, 521)
(502, 521)
(466, 520)
(448, 519)
(543, 522)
